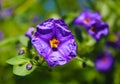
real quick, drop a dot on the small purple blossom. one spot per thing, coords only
(98, 29)
(1, 35)
(104, 62)
(30, 32)
(7, 12)
(54, 41)
(93, 24)
(87, 18)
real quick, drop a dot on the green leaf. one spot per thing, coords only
(23, 40)
(90, 63)
(21, 70)
(17, 60)
(88, 40)
(8, 41)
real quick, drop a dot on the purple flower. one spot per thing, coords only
(104, 62)
(98, 29)
(87, 18)
(54, 41)
(30, 32)
(7, 12)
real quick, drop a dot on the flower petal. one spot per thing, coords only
(46, 29)
(66, 52)
(41, 46)
(30, 32)
(102, 29)
(91, 16)
(62, 31)
(68, 49)
(55, 58)
(61, 23)
(104, 62)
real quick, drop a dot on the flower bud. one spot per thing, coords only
(36, 58)
(21, 51)
(29, 66)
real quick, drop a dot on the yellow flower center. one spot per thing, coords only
(54, 43)
(87, 20)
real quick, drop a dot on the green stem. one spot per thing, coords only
(40, 64)
(42, 61)
(88, 62)
(80, 59)
(29, 47)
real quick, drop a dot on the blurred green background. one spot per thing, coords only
(16, 16)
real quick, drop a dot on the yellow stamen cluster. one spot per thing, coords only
(54, 43)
